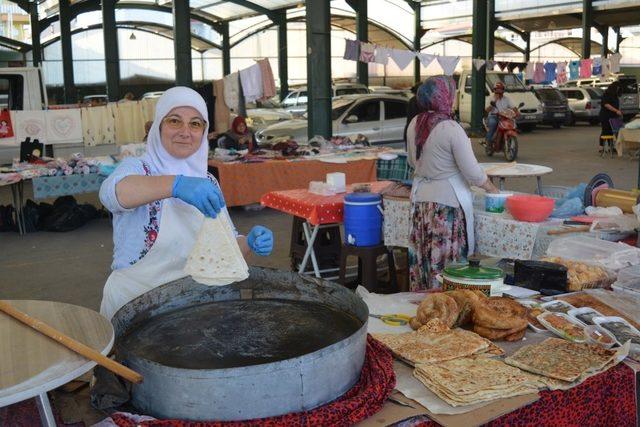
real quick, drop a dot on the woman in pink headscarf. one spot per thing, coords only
(441, 200)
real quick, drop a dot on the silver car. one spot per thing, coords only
(296, 102)
(381, 118)
(584, 103)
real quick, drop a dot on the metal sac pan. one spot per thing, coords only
(273, 344)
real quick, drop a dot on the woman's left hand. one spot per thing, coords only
(260, 240)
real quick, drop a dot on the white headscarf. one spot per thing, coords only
(161, 161)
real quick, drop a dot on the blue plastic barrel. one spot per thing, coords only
(363, 219)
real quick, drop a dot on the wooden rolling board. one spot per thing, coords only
(30, 360)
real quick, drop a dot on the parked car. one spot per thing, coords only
(381, 118)
(391, 91)
(296, 101)
(261, 118)
(156, 94)
(629, 99)
(584, 103)
(94, 100)
(555, 107)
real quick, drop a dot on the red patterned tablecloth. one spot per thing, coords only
(314, 208)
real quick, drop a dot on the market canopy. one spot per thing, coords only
(501, 45)
(574, 44)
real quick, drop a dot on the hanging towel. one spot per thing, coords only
(30, 124)
(448, 64)
(520, 66)
(149, 108)
(561, 73)
(538, 74)
(550, 71)
(64, 126)
(268, 82)
(574, 70)
(426, 59)
(530, 70)
(251, 80)
(402, 57)
(367, 52)
(98, 126)
(479, 63)
(351, 50)
(597, 67)
(382, 55)
(129, 122)
(511, 66)
(585, 68)
(502, 65)
(615, 62)
(222, 114)
(606, 67)
(491, 64)
(232, 91)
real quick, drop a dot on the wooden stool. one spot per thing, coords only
(368, 266)
(608, 142)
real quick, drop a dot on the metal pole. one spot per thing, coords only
(587, 21)
(362, 34)
(618, 39)
(182, 42)
(319, 68)
(491, 28)
(226, 50)
(111, 54)
(605, 42)
(417, 24)
(70, 95)
(478, 51)
(36, 49)
(527, 48)
(283, 55)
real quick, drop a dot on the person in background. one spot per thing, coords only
(441, 198)
(239, 137)
(499, 103)
(610, 109)
(129, 96)
(412, 110)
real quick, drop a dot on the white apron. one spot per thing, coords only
(465, 198)
(165, 261)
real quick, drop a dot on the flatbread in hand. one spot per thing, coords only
(216, 259)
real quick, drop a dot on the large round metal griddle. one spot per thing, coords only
(273, 344)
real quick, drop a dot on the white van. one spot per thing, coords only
(530, 113)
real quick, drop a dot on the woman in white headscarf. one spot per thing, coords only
(158, 202)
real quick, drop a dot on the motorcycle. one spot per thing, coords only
(506, 136)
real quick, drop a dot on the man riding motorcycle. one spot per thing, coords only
(500, 103)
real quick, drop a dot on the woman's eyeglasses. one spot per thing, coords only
(195, 125)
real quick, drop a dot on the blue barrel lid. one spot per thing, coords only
(362, 197)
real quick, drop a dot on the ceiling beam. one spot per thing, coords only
(256, 8)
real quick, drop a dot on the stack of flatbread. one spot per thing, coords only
(563, 360)
(216, 259)
(470, 380)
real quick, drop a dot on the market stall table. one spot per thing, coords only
(502, 171)
(66, 185)
(245, 183)
(318, 211)
(33, 364)
(628, 139)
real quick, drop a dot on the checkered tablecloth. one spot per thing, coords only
(55, 186)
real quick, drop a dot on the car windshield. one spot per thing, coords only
(339, 107)
(629, 84)
(351, 91)
(546, 95)
(594, 93)
(511, 82)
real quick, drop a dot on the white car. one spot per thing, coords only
(261, 118)
(296, 101)
(381, 118)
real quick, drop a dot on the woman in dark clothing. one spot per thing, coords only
(239, 137)
(610, 109)
(413, 109)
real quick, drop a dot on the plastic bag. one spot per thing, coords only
(610, 255)
(568, 208)
(67, 215)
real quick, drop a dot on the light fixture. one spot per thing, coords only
(132, 36)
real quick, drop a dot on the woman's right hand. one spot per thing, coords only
(199, 192)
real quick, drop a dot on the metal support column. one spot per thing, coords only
(362, 34)
(319, 68)
(587, 22)
(111, 54)
(618, 39)
(226, 50)
(478, 51)
(67, 52)
(491, 28)
(527, 48)
(182, 42)
(418, 33)
(283, 55)
(605, 42)
(36, 50)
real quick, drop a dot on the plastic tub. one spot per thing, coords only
(530, 208)
(363, 219)
(564, 326)
(600, 336)
(494, 203)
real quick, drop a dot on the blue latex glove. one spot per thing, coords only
(260, 240)
(199, 192)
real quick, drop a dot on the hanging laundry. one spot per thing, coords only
(529, 71)
(232, 91)
(597, 67)
(479, 63)
(511, 66)
(64, 126)
(538, 74)
(351, 50)
(129, 122)
(550, 71)
(381, 55)
(605, 67)
(149, 108)
(448, 64)
(367, 52)
(561, 73)
(615, 62)
(251, 80)
(268, 82)
(402, 57)
(585, 68)
(502, 65)
(98, 126)
(425, 59)
(574, 70)
(6, 125)
(222, 113)
(30, 124)
(490, 64)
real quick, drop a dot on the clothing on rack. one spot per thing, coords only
(268, 82)
(367, 52)
(222, 113)
(538, 74)
(550, 71)
(98, 126)
(426, 59)
(597, 67)
(232, 91)
(605, 67)
(614, 59)
(251, 81)
(382, 55)
(574, 70)
(585, 68)
(530, 70)
(129, 122)
(402, 57)
(351, 50)
(561, 76)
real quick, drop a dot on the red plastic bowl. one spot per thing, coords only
(529, 208)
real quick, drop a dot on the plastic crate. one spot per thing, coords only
(394, 170)
(554, 191)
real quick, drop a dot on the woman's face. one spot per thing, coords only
(181, 131)
(241, 127)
